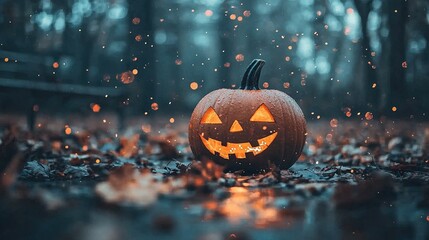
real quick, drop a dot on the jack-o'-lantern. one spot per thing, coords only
(248, 128)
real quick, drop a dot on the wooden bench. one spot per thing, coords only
(28, 79)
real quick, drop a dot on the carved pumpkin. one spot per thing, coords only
(248, 128)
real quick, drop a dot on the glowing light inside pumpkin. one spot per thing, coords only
(236, 127)
(237, 149)
(262, 114)
(210, 117)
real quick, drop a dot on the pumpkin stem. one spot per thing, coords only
(251, 76)
(246, 74)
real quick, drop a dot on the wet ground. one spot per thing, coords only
(355, 180)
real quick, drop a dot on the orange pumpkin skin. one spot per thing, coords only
(249, 129)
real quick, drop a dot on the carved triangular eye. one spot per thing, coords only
(210, 117)
(236, 127)
(262, 114)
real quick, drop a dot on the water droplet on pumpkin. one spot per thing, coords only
(265, 85)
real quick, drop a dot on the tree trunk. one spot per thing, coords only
(397, 18)
(370, 77)
(145, 53)
(225, 42)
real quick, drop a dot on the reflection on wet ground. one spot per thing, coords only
(243, 205)
(347, 185)
(303, 211)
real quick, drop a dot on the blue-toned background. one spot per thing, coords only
(337, 58)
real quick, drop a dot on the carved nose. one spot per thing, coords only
(235, 127)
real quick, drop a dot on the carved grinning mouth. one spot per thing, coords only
(237, 149)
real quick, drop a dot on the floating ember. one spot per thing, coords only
(126, 77)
